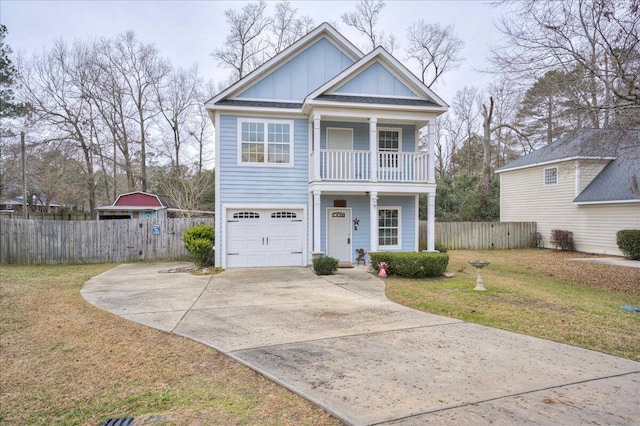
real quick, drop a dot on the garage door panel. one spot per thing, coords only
(261, 237)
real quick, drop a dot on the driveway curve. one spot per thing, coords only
(340, 343)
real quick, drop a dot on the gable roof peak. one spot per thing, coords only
(379, 54)
(323, 30)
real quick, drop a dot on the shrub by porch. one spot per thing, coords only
(412, 264)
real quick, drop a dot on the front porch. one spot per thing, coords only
(346, 221)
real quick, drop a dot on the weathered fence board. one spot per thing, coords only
(46, 216)
(482, 235)
(50, 241)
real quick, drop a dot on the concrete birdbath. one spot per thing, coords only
(479, 264)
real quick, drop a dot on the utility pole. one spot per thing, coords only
(24, 176)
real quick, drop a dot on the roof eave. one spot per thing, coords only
(546, 163)
(586, 203)
(407, 108)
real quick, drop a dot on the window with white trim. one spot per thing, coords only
(389, 146)
(550, 176)
(266, 142)
(389, 227)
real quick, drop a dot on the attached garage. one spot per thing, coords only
(264, 237)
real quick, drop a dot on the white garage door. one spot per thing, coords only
(264, 237)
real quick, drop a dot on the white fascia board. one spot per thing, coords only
(396, 68)
(364, 113)
(587, 203)
(321, 30)
(372, 107)
(254, 111)
(559, 160)
(380, 187)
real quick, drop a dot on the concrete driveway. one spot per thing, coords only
(340, 343)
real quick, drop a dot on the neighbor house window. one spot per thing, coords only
(266, 142)
(550, 176)
(389, 146)
(389, 227)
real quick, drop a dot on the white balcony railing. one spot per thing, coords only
(344, 165)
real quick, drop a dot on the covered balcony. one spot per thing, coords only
(351, 165)
(347, 149)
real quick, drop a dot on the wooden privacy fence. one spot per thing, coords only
(48, 241)
(482, 235)
(47, 216)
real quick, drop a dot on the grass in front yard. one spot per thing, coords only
(64, 361)
(536, 292)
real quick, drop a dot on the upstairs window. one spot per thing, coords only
(266, 142)
(389, 146)
(550, 176)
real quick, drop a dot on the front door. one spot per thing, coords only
(339, 234)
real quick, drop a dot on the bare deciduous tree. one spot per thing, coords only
(365, 20)
(177, 103)
(141, 69)
(286, 27)
(597, 42)
(436, 48)
(244, 46)
(52, 83)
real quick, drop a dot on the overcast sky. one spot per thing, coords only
(188, 31)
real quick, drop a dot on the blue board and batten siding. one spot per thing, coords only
(307, 71)
(359, 205)
(376, 80)
(361, 134)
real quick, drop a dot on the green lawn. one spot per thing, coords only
(536, 293)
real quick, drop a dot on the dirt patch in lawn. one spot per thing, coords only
(536, 292)
(557, 264)
(67, 362)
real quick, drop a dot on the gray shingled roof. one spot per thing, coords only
(376, 100)
(615, 181)
(260, 104)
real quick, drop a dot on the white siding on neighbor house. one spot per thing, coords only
(307, 71)
(376, 80)
(523, 198)
(588, 170)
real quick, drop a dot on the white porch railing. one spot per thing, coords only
(346, 165)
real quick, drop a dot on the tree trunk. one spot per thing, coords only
(486, 144)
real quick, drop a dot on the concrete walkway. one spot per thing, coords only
(340, 343)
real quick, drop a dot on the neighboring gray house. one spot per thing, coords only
(318, 152)
(586, 182)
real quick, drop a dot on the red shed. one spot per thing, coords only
(134, 205)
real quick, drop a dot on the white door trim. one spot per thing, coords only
(327, 233)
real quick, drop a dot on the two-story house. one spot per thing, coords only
(318, 152)
(586, 182)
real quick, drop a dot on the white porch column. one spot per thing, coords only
(373, 149)
(431, 160)
(373, 220)
(316, 148)
(431, 222)
(316, 222)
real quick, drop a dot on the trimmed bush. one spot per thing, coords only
(411, 264)
(325, 265)
(629, 243)
(562, 240)
(198, 240)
